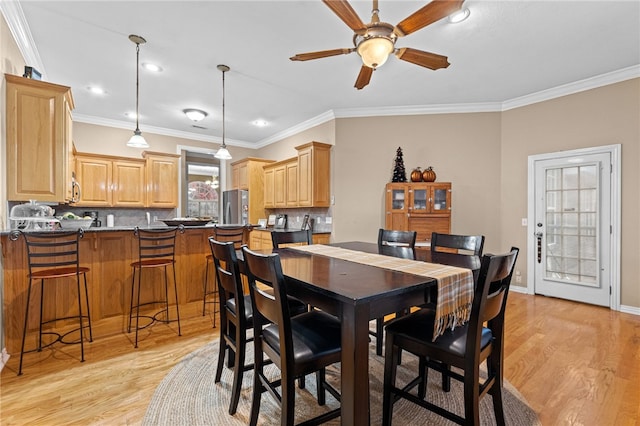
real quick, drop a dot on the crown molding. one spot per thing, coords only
(305, 125)
(574, 87)
(14, 16)
(88, 119)
(417, 110)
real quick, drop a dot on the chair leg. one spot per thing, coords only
(471, 396)
(138, 308)
(24, 329)
(446, 378)
(257, 387)
(423, 371)
(322, 392)
(175, 289)
(288, 390)
(390, 370)
(133, 285)
(204, 286)
(494, 368)
(379, 335)
(222, 349)
(41, 310)
(80, 318)
(86, 295)
(238, 371)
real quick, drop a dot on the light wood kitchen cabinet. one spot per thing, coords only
(107, 181)
(269, 188)
(38, 140)
(291, 173)
(249, 174)
(420, 207)
(162, 179)
(314, 165)
(280, 184)
(261, 239)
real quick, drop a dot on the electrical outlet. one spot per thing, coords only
(155, 218)
(524, 221)
(518, 279)
(328, 219)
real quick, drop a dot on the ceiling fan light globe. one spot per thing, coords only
(374, 51)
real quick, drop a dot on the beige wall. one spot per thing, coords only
(598, 117)
(11, 62)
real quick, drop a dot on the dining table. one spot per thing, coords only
(356, 293)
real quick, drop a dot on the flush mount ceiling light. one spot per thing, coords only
(96, 90)
(151, 67)
(459, 16)
(223, 153)
(137, 141)
(260, 123)
(194, 114)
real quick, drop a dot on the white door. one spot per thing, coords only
(573, 227)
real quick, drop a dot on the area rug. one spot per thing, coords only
(189, 396)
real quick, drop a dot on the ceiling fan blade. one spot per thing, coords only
(343, 9)
(321, 54)
(428, 14)
(363, 77)
(424, 59)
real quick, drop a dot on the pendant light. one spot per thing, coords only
(137, 141)
(223, 152)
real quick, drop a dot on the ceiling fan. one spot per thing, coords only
(375, 41)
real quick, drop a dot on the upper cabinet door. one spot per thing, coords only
(38, 132)
(162, 179)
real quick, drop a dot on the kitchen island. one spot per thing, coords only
(109, 253)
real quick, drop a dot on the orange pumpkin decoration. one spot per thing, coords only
(428, 175)
(416, 175)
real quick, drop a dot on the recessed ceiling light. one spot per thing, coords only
(194, 114)
(260, 123)
(151, 67)
(96, 90)
(131, 115)
(459, 16)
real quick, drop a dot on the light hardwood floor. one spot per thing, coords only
(575, 364)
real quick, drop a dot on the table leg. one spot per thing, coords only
(355, 365)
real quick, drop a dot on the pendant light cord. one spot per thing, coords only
(137, 85)
(223, 120)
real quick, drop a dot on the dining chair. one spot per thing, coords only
(236, 316)
(156, 250)
(393, 237)
(238, 236)
(462, 244)
(55, 257)
(297, 345)
(282, 239)
(388, 239)
(466, 347)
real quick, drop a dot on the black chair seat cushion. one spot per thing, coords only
(316, 335)
(248, 311)
(297, 306)
(419, 326)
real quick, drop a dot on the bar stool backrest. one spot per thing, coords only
(52, 251)
(156, 244)
(234, 234)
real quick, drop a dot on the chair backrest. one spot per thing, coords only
(51, 250)
(156, 243)
(403, 252)
(227, 272)
(490, 298)
(236, 234)
(291, 237)
(269, 298)
(393, 237)
(463, 244)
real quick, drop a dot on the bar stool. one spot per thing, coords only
(55, 256)
(223, 234)
(156, 249)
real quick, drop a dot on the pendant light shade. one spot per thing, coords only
(223, 153)
(137, 141)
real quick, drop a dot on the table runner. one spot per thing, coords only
(455, 285)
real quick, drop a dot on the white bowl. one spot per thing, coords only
(75, 223)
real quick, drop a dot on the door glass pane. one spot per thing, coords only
(419, 199)
(397, 199)
(440, 199)
(571, 196)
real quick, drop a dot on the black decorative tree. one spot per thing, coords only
(399, 174)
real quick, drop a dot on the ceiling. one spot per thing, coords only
(505, 53)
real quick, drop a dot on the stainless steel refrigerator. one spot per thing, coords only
(236, 207)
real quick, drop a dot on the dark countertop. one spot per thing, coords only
(131, 228)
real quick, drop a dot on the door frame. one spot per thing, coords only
(616, 180)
